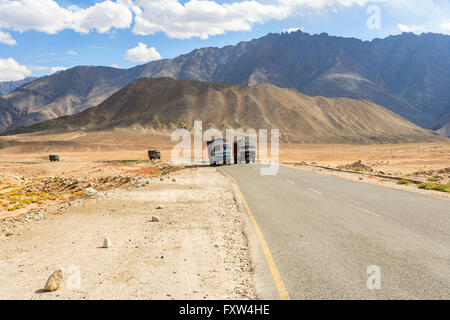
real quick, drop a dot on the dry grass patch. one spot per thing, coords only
(435, 187)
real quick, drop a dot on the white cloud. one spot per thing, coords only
(202, 18)
(57, 69)
(103, 16)
(445, 25)
(414, 29)
(10, 70)
(47, 16)
(142, 54)
(44, 15)
(196, 18)
(114, 66)
(6, 38)
(320, 4)
(290, 30)
(72, 53)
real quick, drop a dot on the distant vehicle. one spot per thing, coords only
(154, 154)
(53, 157)
(219, 152)
(244, 151)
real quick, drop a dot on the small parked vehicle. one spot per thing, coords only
(154, 154)
(53, 157)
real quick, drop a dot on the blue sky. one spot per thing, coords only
(38, 37)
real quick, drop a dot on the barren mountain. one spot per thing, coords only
(64, 93)
(407, 74)
(164, 104)
(442, 125)
(9, 86)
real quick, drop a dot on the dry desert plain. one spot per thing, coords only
(129, 145)
(169, 240)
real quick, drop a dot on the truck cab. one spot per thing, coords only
(154, 154)
(219, 152)
(53, 157)
(244, 151)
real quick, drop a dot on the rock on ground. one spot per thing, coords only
(54, 281)
(90, 192)
(107, 243)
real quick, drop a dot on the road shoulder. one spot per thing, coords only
(264, 281)
(195, 249)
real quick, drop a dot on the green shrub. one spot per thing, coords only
(434, 179)
(435, 187)
(426, 186)
(404, 181)
(442, 187)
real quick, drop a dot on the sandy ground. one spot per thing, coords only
(417, 161)
(197, 250)
(398, 159)
(119, 145)
(38, 184)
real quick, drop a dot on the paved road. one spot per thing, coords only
(324, 232)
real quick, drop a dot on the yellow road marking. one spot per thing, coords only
(270, 261)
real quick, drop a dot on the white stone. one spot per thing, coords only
(90, 192)
(107, 243)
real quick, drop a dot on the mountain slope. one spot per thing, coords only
(164, 104)
(407, 74)
(67, 92)
(442, 125)
(9, 86)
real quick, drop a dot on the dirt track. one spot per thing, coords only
(197, 250)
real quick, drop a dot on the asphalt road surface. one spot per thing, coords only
(325, 232)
